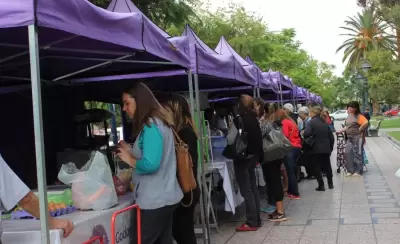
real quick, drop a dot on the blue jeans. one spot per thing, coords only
(290, 161)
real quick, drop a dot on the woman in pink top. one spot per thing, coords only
(290, 130)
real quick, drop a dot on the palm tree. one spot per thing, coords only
(367, 32)
(389, 10)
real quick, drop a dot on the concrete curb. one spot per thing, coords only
(393, 140)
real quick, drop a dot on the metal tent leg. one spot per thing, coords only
(201, 158)
(209, 207)
(38, 129)
(281, 95)
(191, 97)
(192, 111)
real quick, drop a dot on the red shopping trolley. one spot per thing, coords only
(95, 240)
(138, 223)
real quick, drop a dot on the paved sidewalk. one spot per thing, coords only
(359, 210)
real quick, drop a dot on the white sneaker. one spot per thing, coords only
(355, 174)
(349, 174)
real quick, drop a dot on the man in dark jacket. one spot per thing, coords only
(320, 141)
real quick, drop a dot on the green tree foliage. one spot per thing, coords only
(344, 90)
(384, 77)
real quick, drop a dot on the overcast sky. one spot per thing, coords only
(316, 22)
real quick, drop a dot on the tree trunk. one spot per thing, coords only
(375, 106)
(398, 41)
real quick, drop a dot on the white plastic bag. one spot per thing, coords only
(92, 185)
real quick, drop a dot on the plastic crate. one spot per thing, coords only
(218, 142)
(217, 154)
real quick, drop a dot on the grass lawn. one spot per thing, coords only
(395, 134)
(388, 123)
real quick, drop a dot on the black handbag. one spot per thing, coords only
(309, 141)
(238, 150)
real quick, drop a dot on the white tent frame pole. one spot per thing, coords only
(201, 158)
(192, 111)
(91, 67)
(38, 129)
(15, 78)
(280, 93)
(116, 60)
(26, 52)
(74, 50)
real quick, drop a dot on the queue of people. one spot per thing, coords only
(310, 137)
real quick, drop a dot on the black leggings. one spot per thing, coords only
(272, 174)
(246, 179)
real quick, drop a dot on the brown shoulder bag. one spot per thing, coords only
(186, 177)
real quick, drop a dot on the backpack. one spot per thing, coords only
(184, 166)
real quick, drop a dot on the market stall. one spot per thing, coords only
(87, 224)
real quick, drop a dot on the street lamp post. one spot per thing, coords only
(365, 66)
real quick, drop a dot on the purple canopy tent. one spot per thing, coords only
(284, 84)
(319, 98)
(247, 73)
(265, 85)
(313, 97)
(223, 99)
(290, 87)
(217, 71)
(88, 37)
(268, 83)
(287, 82)
(205, 61)
(300, 95)
(308, 95)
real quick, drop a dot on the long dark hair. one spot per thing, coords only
(270, 111)
(147, 107)
(259, 102)
(178, 106)
(356, 106)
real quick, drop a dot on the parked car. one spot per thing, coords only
(392, 112)
(339, 115)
